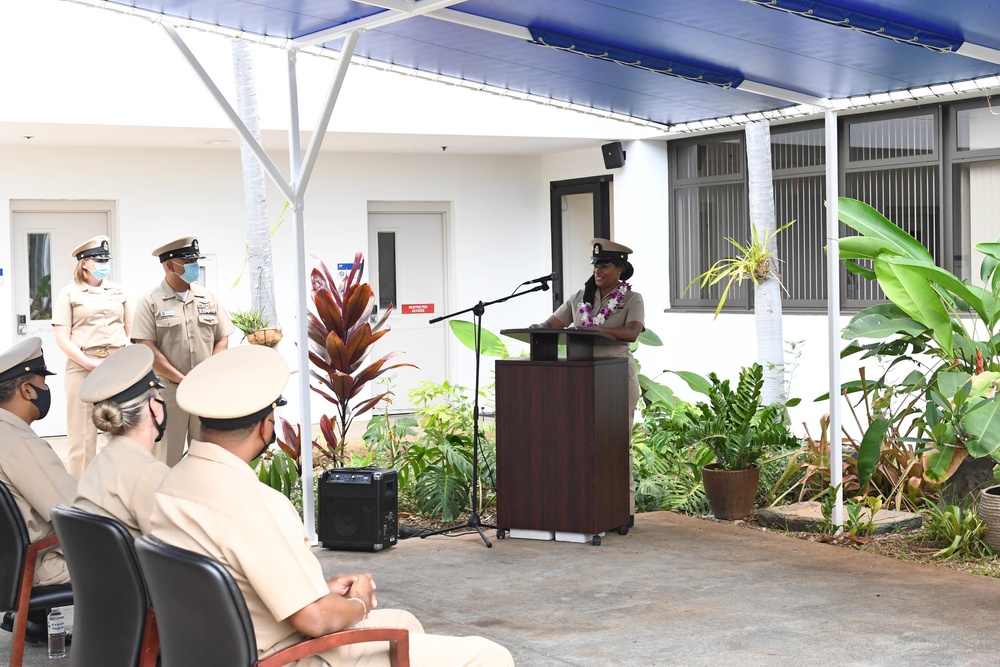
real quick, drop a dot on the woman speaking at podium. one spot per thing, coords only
(607, 304)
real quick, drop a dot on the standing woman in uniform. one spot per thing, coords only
(92, 318)
(607, 304)
(120, 482)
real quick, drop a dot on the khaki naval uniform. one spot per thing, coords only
(185, 333)
(38, 481)
(633, 311)
(96, 318)
(120, 482)
(212, 503)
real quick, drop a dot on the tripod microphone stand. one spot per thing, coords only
(477, 311)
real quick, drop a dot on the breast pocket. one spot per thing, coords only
(207, 324)
(167, 323)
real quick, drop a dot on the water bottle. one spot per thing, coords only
(57, 634)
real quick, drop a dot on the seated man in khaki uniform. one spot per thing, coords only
(212, 503)
(183, 324)
(31, 470)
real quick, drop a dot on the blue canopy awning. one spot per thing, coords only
(663, 62)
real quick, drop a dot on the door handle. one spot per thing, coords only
(374, 316)
(22, 324)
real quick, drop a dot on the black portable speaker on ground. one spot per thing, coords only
(358, 508)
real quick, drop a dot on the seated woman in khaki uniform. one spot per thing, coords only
(213, 504)
(91, 317)
(120, 482)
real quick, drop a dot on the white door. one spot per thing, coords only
(43, 234)
(406, 268)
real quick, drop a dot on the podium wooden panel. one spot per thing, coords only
(562, 443)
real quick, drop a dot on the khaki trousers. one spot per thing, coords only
(425, 650)
(181, 427)
(634, 394)
(50, 569)
(81, 434)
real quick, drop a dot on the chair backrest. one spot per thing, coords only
(109, 594)
(13, 547)
(201, 614)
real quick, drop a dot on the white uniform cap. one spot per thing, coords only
(235, 387)
(124, 375)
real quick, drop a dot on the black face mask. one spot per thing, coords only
(161, 427)
(42, 400)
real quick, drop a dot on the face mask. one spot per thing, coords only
(42, 401)
(191, 273)
(101, 270)
(161, 427)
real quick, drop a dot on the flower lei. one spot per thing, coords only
(615, 302)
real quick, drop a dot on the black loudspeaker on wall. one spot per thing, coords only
(358, 508)
(614, 156)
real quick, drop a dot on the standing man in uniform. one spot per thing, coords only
(184, 324)
(31, 470)
(213, 504)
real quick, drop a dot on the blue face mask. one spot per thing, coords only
(191, 273)
(101, 270)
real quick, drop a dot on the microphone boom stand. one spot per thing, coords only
(477, 311)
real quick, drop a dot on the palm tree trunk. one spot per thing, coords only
(254, 192)
(767, 293)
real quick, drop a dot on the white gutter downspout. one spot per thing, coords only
(294, 190)
(833, 313)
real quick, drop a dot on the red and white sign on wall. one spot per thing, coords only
(417, 308)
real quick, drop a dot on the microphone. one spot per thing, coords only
(543, 279)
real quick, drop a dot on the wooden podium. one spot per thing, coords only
(562, 435)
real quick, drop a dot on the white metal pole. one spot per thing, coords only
(234, 118)
(833, 312)
(302, 290)
(333, 92)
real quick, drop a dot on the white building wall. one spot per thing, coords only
(497, 237)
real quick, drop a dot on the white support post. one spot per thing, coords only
(234, 118)
(333, 92)
(833, 313)
(302, 292)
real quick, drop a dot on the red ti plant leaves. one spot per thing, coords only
(341, 338)
(291, 443)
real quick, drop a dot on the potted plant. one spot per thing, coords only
(741, 433)
(988, 511)
(256, 327)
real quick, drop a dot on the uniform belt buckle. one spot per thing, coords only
(102, 353)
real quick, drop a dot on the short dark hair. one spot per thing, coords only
(241, 431)
(9, 387)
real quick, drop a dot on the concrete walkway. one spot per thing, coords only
(681, 591)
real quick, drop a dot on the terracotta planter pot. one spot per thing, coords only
(731, 493)
(988, 511)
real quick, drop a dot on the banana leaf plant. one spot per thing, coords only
(941, 323)
(341, 338)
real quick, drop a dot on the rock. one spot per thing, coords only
(972, 476)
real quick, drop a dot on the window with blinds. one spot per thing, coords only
(891, 162)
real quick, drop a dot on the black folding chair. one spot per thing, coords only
(203, 618)
(113, 621)
(17, 570)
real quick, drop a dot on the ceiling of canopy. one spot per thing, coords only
(665, 63)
